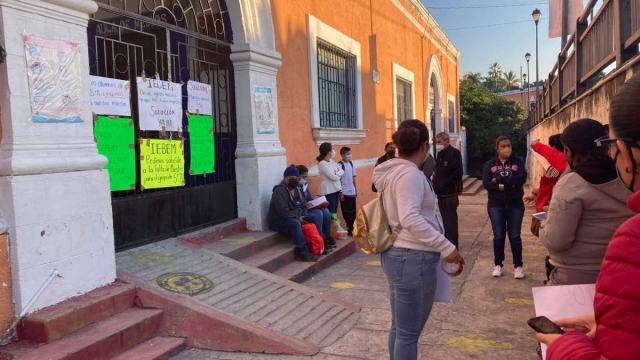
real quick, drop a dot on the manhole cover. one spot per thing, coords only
(184, 283)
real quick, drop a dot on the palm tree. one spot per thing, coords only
(495, 73)
(474, 78)
(511, 80)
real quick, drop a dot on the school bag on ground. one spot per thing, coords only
(371, 230)
(315, 243)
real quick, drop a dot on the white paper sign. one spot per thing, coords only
(199, 98)
(443, 291)
(159, 105)
(265, 116)
(559, 302)
(110, 96)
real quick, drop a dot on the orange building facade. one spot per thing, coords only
(390, 56)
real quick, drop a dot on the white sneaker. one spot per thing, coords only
(519, 274)
(497, 272)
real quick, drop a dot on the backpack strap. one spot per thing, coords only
(342, 165)
(392, 230)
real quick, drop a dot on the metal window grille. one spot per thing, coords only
(337, 87)
(403, 99)
(452, 116)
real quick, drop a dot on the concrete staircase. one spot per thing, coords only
(102, 324)
(470, 186)
(253, 304)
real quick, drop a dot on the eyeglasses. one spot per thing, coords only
(605, 143)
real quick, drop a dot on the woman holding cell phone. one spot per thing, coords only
(588, 205)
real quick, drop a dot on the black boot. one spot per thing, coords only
(306, 256)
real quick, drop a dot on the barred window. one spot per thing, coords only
(337, 87)
(452, 117)
(403, 99)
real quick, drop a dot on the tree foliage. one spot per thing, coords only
(487, 116)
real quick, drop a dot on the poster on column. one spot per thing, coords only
(161, 163)
(265, 117)
(115, 139)
(199, 101)
(53, 77)
(201, 145)
(159, 105)
(110, 96)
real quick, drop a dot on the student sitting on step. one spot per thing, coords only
(288, 212)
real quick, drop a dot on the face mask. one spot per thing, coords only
(633, 177)
(439, 148)
(303, 182)
(391, 153)
(348, 157)
(293, 183)
(505, 152)
(333, 154)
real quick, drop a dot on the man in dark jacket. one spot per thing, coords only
(389, 153)
(447, 183)
(288, 212)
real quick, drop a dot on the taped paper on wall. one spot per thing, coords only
(201, 145)
(115, 139)
(159, 105)
(110, 96)
(161, 163)
(199, 98)
(53, 76)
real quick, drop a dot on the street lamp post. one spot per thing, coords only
(537, 14)
(433, 130)
(527, 56)
(524, 78)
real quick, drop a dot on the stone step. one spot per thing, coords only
(273, 258)
(101, 340)
(158, 348)
(215, 233)
(54, 322)
(246, 309)
(243, 245)
(299, 271)
(466, 182)
(473, 189)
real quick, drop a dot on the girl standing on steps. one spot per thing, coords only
(504, 177)
(330, 173)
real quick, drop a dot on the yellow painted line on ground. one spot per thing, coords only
(474, 344)
(342, 285)
(374, 263)
(519, 301)
(143, 259)
(245, 240)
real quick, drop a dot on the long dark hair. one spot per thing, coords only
(324, 149)
(411, 134)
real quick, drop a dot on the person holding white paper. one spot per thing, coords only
(321, 212)
(410, 264)
(614, 332)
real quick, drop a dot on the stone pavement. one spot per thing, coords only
(486, 320)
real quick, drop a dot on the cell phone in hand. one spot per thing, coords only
(543, 325)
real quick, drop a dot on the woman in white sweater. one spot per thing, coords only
(410, 264)
(330, 173)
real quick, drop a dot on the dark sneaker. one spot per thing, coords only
(306, 256)
(327, 250)
(350, 234)
(330, 242)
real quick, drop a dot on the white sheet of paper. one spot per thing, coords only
(199, 98)
(559, 302)
(318, 201)
(443, 292)
(110, 96)
(159, 105)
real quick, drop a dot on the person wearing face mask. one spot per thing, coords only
(389, 153)
(322, 214)
(614, 331)
(447, 183)
(330, 174)
(349, 190)
(410, 264)
(288, 212)
(503, 177)
(588, 205)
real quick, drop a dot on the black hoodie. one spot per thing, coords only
(285, 206)
(512, 174)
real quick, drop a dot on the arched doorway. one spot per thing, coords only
(435, 96)
(175, 41)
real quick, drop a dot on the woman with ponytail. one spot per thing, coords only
(330, 173)
(588, 205)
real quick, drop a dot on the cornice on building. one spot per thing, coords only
(431, 22)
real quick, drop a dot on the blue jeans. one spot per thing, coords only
(334, 201)
(291, 227)
(412, 283)
(506, 219)
(322, 221)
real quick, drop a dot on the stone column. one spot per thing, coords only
(260, 158)
(55, 199)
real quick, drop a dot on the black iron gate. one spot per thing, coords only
(172, 40)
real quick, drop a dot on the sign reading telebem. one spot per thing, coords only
(159, 105)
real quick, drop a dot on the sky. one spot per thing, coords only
(481, 44)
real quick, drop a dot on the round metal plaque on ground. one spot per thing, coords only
(186, 283)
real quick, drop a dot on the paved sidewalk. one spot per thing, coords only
(486, 320)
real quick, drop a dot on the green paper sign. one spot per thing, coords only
(202, 145)
(115, 139)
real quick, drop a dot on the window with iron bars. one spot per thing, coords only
(403, 99)
(452, 116)
(337, 87)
